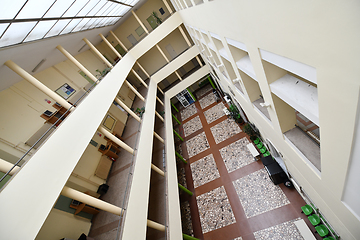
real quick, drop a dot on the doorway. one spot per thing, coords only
(132, 39)
(120, 50)
(171, 51)
(152, 21)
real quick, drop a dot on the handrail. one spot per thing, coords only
(52, 126)
(305, 133)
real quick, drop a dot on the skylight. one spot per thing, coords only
(29, 20)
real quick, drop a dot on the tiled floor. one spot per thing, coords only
(207, 100)
(234, 198)
(188, 112)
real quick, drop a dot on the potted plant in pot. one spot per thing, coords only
(249, 131)
(234, 113)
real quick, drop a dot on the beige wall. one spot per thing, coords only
(281, 27)
(60, 224)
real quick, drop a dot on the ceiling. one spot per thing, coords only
(28, 54)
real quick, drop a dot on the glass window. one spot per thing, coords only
(16, 33)
(59, 8)
(40, 30)
(58, 27)
(35, 9)
(10, 8)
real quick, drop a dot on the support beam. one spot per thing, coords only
(176, 119)
(135, 91)
(160, 90)
(127, 109)
(159, 116)
(184, 36)
(140, 79)
(77, 63)
(178, 75)
(181, 157)
(142, 69)
(36, 83)
(157, 98)
(5, 166)
(191, 94)
(110, 46)
(168, 7)
(118, 40)
(158, 137)
(185, 189)
(187, 237)
(97, 52)
(89, 200)
(178, 135)
(158, 170)
(139, 21)
(162, 53)
(155, 225)
(198, 59)
(116, 140)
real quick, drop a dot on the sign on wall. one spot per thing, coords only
(65, 91)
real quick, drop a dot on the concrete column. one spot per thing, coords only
(158, 170)
(135, 91)
(184, 35)
(160, 90)
(127, 109)
(181, 157)
(87, 199)
(140, 79)
(139, 21)
(162, 53)
(98, 53)
(174, 107)
(118, 40)
(5, 166)
(110, 46)
(116, 140)
(155, 225)
(178, 135)
(198, 59)
(185, 189)
(176, 119)
(77, 63)
(142, 69)
(168, 7)
(39, 85)
(178, 75)
(158, 137)
(157, 98)
(159, 116)
(193, 3)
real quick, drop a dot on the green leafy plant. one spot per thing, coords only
(140, 111)
(103, 72)
(234, 113)
(158, 20)
(249, 131)
(162, 113)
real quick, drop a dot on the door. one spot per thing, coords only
(171, 51)
(120, 50)
(132, 39)
(152, 21)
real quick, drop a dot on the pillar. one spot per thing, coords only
(184, 36)
(157, 98)
(135, 91)
(191, 93)
(140, 79)
(168, 7)
(77, 63)
(178, 135)
(174, 107)
(159, 116)
(162, 53)
(176, 119)
(158, 170)
(211, 82)
(139, 21)
(185, 189)
(181, 157)
(118, 40)
(127, 109)
(110, 46)
(98, 53)
(39, 85)
(116, 140)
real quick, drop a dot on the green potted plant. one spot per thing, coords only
(140, 111)
(249, 131)
(158, 20)
(103, 72)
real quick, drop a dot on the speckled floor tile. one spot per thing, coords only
(214, 113)
(188, 112)
(187, 227)
(225, 130)
(192, 126)
(285, 231)
(203, 91)
(197, 144)
(258, 194)
(214, 210)
(204, 170)
(236, 155)
(207, 100)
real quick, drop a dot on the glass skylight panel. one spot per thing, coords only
(59, 8)
(16, 33)
(97, 8)
(80, 25)
(96, 23)
(108, 11)
(104, 9)
(115, 9)
(122, 10)
(58, 27)
(91, 22)
(35, 9)
(9, 9)
(86, 25)
(40, 30)
(76, 8)
(71, 26)
(91, 4)
(3, 26)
